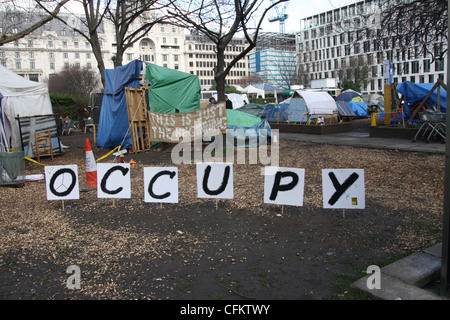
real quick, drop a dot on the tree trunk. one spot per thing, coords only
(219, 73)
(96, 49)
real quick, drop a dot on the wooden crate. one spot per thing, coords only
(137, 119)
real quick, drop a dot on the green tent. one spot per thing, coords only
(241, 119)
(172, 90)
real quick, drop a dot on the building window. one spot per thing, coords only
(164, 57)
(32, 65)
(426, 65)
(88, 55)
(63, 32)
(129, 56)
(52, 65)
(18, 65)
(439, 65)
(65, 55)
(89, 65)
(77, 55)
(415, 67)
(33, 77)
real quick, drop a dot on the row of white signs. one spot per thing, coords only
(342, 188)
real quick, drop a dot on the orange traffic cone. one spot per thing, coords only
(275, 137)
(91, 169)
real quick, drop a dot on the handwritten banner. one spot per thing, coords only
(172, 127)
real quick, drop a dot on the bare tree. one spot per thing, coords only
(220, 21)
(417, 24)
(87, 81)
(252, 78)
(131, 21)
(18, 21)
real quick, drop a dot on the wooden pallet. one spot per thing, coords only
(137, 119)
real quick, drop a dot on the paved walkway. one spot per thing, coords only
(360, 137)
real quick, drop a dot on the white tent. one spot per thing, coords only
(21, 98)
(304, 104)
(317, 102)
(261, 90)
(236, 98)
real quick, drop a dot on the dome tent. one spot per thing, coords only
(304, 103)
(23, 98)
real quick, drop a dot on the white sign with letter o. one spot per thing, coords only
(62, 182)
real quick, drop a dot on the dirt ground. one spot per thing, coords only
(245, 249)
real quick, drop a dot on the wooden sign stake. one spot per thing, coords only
(62, 205)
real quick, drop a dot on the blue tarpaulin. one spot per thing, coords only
(113, 122)
(359, 108)
(415, 92)
(249, 130)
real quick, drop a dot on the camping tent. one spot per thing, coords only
(304, 103)
(236, 99)
(251, 108)
(261, 89)
(359, 108)
(113, 122)
(349, 96)
(21, 98)
(275, 112)
(415, 92)
(248, 129)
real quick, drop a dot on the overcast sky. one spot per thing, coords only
(299, 9)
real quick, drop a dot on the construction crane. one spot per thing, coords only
(279, 15)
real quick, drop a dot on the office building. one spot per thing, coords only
(329, 42)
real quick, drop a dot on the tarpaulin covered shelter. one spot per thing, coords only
(345, 110)
(273, 112)
(23, 98)
(252, 108)
(113, 122)
(172, 90)
(304, 103)
(359, 108)
(416, 92)
(251, 128)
